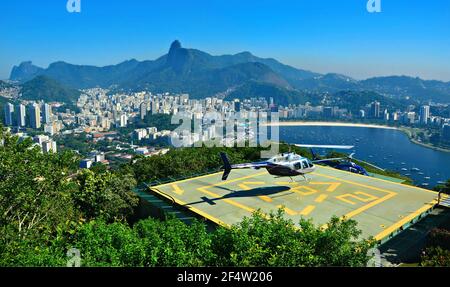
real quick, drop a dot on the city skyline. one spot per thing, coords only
(321, 36)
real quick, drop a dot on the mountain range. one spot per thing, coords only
(242, 75)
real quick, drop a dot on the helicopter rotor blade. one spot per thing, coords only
(328, 159)
(370, 164)
(325, 146)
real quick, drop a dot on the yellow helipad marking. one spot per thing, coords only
(367, 198)
(355, 212)
(379, 179)
(343, 198)
(177, 189)
(307, 210)
(369, 205)
(265, 198)
(332, 185)
(287, 210)
(321, 198)
(405, 220)
(308, 189)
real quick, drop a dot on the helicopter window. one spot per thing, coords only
(297, 165)
(305, 164)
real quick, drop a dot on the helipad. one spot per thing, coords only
(381, 208)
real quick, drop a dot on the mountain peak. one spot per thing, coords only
(25, 71)
(175, 46)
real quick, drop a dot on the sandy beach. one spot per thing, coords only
(331, 124)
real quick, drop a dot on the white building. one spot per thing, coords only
(424, 114)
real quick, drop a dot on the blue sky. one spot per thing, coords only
(410, 37)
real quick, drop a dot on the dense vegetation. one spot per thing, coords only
(48, 90)
(48, 206)
(437, 250)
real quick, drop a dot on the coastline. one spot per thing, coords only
(409, 135)
(330, 124)
(357, 125)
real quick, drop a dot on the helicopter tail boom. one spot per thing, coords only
(226, 166)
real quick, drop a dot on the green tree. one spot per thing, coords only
(436, 257)
(275, 241)
(35, 200)
(35, 188)
(107, 195)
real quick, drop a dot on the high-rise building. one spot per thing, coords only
(424, 114)
(123, 121)
(35, 116)
(154, 107)
(386, 116)
(47, 115)
(21, 114)
(362, 114)
(143, 110)
(9, 110)
(375, 110)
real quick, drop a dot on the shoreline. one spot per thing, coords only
(356, 125)
(330, 124)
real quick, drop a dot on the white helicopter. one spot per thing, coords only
(283, 165)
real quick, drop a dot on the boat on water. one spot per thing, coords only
(404, 169)
(427, 177)
(415, 169)
(425, 184)
(407, 174)
(441, 182)
(421, 173)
